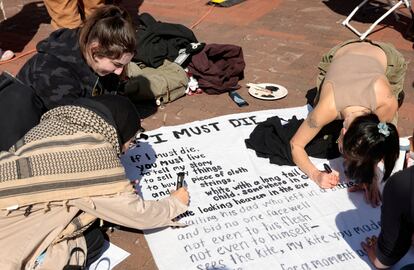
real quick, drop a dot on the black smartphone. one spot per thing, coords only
(180, 180)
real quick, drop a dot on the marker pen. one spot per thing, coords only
(327, 168)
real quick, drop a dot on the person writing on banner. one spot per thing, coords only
(64, 174)
(397, 222)
(70, 63)
(356, 78)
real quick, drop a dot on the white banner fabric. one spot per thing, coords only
(246, 213)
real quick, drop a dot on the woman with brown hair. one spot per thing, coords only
(69, 64)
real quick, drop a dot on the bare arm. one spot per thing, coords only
(130, 210)
(323, 114)
(387, 104)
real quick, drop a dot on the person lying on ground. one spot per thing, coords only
(64, 174)
(69, 64)
(356, 78)
(397, 222)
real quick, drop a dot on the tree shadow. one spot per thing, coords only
(370, 12)
(17, 31)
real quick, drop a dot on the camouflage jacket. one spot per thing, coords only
(58, 73)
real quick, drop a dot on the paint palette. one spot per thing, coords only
(267, 91)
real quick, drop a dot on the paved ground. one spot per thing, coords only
(282, 41)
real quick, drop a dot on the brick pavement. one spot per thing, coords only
(282, 41)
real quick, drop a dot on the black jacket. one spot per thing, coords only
(58, 73)
(159, 40)
(271, 139)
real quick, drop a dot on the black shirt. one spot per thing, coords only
(397, 217)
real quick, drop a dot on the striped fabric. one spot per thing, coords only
(72, 153)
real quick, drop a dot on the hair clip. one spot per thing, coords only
(383, 129)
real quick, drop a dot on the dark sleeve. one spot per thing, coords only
(52, 80)
(396, 222)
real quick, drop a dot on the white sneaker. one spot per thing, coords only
(6, 55)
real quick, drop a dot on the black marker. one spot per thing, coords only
(180, 180)
(327, 168)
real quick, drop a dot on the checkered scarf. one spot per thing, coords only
(71, 153)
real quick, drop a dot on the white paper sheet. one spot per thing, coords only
(111, 257)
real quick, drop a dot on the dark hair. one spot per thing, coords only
(112, 28)
(364, 146)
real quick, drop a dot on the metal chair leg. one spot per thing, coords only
(369, 30)
(363, 35)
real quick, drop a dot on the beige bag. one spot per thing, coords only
(163, 84)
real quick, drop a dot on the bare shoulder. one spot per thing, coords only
(383, 91)
(382, 86)
(324, 112)
(387, 104)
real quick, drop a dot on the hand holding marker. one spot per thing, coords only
(180, 180)
(327, 168)
(332, 177)
(181, 192)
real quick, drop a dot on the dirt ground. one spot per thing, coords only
(282, 41)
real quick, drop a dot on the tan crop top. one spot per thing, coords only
(352, 77)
